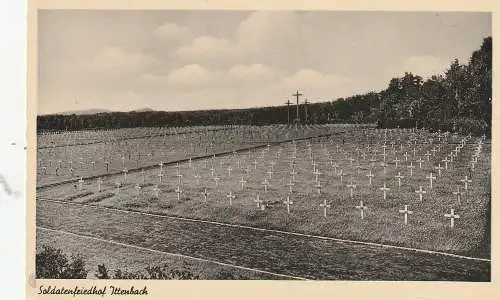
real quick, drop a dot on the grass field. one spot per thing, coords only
(116, 257)
(427, 226)
(304, 257)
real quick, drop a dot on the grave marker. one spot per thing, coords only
(288, 202)
(362, 208)
(452, 217)
(385, 190)
(406, 212)
(231, 197)
(325, 207)
(420, 192)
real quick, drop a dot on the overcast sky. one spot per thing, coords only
(185, 60)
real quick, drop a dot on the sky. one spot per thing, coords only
(186, 60)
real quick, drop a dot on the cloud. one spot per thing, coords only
(193, 75)
(116, 60)
(172, 31)
(252, 73)
(310, 79)
(267, 30)
(259, 38)
(425, 65)
(207, 47)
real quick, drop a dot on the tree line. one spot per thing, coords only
(458, 100)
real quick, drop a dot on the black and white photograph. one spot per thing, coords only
(263, 145)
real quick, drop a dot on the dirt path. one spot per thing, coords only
(273, 252)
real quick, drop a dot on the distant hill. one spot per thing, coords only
(146, 109)
(85, 112)
(94, 111)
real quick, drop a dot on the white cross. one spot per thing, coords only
(431, 178)
(317, 173)
(180, 178)
(161, 166)
(399, 177)
(406, 212)
(362, 208)
(334, 166)
(452, 217)
(458, 193)
(325, 207)
(205, 195)
(352, 186)
(446, 161)
(420, 161)
(420, 192)
(99, 182)
(358, 167)
(384, 165)
(243, 181)
(230, 196)
(314, 164)
(318, 186)
(406, 156)
(265, 184)
(160, 176)
(341, 174)
(396, 160)
(216, 181)
(385, 190)
(439, 168)
(411, 167)
(178, 190)
(370, 175)
(290, 184)
(293, 173)
(258, 201)
(288, 202)
(427, 155)
(80, 183)
(138, 189)
(270, 173)
(229, 169)
(466, 181)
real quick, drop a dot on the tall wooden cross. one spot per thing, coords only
(297, 95)
(305, 108)
(288, 111)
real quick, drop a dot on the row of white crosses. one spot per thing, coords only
(316, 172)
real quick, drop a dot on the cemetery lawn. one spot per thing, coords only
(246, 174)
(272, 252)
(115, 257)
(427, 227)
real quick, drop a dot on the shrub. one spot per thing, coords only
(52, 263)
